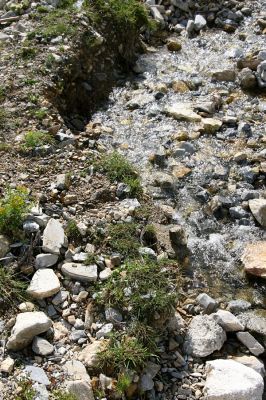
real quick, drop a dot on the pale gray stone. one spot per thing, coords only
(251, 343)
(44, 284)
(228, 321)
(41, 346)
(80, 272)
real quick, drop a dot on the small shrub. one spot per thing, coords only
(12, 289)
(72, 231)
(13, 208)
(123, 239)
(42, 9)
(27, 392)
(119, 169)
(34, 139)
(28, 52)
(40, 114)
(123, 352)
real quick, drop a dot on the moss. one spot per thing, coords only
(123, 239)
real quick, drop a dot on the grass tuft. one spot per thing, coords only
(12, 289)
(35, 139)
(124, 239)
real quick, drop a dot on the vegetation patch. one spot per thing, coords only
(34, 139)
(12, 289)
(72, 231)
(123, 239)
(13, 207)
(118, 168)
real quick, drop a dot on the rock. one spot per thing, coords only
(146, 383)
(252, 362)
(89, 355)
(176, 323)
(179, 86)
(204, 336)
(228, 380)
(104, 331)
(208, 304)
(258, 209)
(261, 74)
(211, 125)
(228, 321)
(76, 370)
(41, 346)
(173, 45)
(80, 272)
(37, 374)
(113, 315)
(147, 252)
(81, 389)
(157, 15)
(190, 26)
(28, 325)
(60, 297)
(62, 181)
(26, 306)
(105, 274)
(4, 246)
(227, 75)
(44, 284)
(250, 342)
(7, 365)
(254, 259)
(54, 237)
(182, 112)
(199, 23)
(238, 306)
(45, 260)
(247, 79)
(254, 321)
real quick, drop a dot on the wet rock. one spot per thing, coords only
(204, 336)
(258, 209)
(44, 284)
(228, 321)
(226, 75)
(54, 237)
(228, 379)
(173, 45)
(182, 112)
(247, 79)
(250, 342)
(208, 304)
(28, 325)
(45, 260)
(37, 374)
(254, 259)
(80, 272)
(238, 306)
(41, 346)
(199, 23)
(89, 355)
(211, 125)
(252, 362)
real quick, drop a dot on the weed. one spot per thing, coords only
(143, 288)
(123, 383)
(124, 239)
(50, 60)
(33, 98)
(72, 231)
(40, 114)
(123, 352)
(119, 169)
(61, 395)
(144, 333)
(30, 81)
(4, 147)
(27, 392)
(12, 289)
(34, 139)
(13, 207)
(28, 52)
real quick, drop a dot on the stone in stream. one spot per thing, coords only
(204, 336)
(254, 259)
(228, 321)
(45, 260)
(44, 284)
(258, 209)
(80, 272)
(182, 112)
(252, 362)
(41, 346)
(230, 380)
(226, 75)
(28, 325)
(200, 22)
(54, 237)
(250, 342)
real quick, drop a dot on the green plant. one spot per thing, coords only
(28, 52)
(12, 289)
(30, 81)
(145, 288)
(13, 207)
(72, 231)
(90, 259)
(123, 383)
(123, 352)
(34, 139)
(50, 60)
(62, 395)
(40, 114)
(42, 9)
(33, 98)
(124, 239)
(119, 169)
(27, 392)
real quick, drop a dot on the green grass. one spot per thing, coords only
(12, 289)
(118, 168)
(62, 395)
(123, 239)
(33, 139)
(13, 207)
(27, 392)
(28, 53)
(123, 383)
(40, 114)
(143, 287)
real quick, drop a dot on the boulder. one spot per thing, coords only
(258, 209)
(44, 284)
(254, 259)
(54, 237)
(204, 336)
(230, 380)
(28, 325)
(183, 112)
(41, 346)
(80, 272)
(228, 321)
(250, 342)
(252, 362)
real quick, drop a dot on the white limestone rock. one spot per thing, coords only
(80, 272)
(228, 321)
(54, 237)
(44, 284)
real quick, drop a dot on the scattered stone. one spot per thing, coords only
(104, 331)
(211, 125)
(204, 336)
(44, 284)
(76, 370)
(183, 111)
(254, 259)
(45, 260)
(81, 389)
(250, 342)
(27, 306)
(41, 346)
(80, 272)
(208, 304)
(54, 237)
(258, 209)
(252, 362)
(89, 355)
(7, 365)
(228, 321)
(28, 325)
(199, 23)
(37, 374)
(228, 379)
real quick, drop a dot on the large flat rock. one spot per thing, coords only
(44, 284)
(80, 272)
